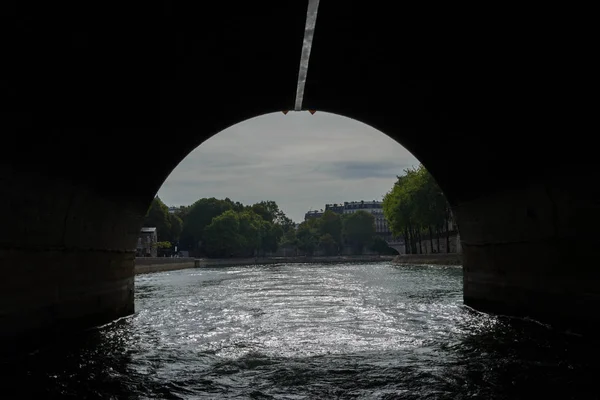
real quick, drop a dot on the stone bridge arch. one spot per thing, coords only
(493, 114)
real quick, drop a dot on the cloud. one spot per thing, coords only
(358, 170)
(301, 161)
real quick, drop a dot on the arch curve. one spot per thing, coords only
(79, 167)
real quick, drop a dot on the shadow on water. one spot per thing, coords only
(97, 364)
(457, 353)
(521, 359)
(505, 359)
(88, 365)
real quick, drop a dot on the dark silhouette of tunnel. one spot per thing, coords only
(100, 104)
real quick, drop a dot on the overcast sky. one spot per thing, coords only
(301, 161)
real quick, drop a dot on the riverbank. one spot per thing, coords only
(429, 259)
(145, 265)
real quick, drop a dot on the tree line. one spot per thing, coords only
(331, 232)
(223, 228)
(416, 208)
(219, 227)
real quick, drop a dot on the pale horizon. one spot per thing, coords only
(299, 160)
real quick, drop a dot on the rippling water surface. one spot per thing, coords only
(308, 331)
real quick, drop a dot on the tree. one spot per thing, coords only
(330, 223)
(182, 212)
(244, 233)
(380, 246)
(269, 211)
(272, 234)
(260, 227)
(266, 209)
(308, 236)
(289, 239)
(222, 235)
(199, 216)
(435, 212)
(158, 216)
(415, 206)
(286, 223)
(328, 244)
(176, 228)
(162, 248)
(358, 230)
(251, 232)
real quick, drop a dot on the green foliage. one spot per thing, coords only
(331, 231)
(286, 224)
(176, 228)
(289, 238)
(308, 236)
(271, 236)
(163, 245)
(182, 212)
(266, 209)
(251, 231)
(380, 246)
(328, 244)
(330, 223)
(398, 206)
(158, 216)
(358, 230)
(269, 211)
(242, 231)
(222, 235)
(414, 205)
(199, 216)
(224, 228)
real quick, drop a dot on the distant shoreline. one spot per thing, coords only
(145, 265)
(429, 259)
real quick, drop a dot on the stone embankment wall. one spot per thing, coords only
(429, 259)
(144, 265)
(426, 245)
(454, 241)
(212, 262)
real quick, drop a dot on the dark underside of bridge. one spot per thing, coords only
(100, 104)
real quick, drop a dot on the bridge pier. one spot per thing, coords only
(531, 252)
(67, 257)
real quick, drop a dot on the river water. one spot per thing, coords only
(308, 331)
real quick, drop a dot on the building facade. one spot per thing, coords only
(374, 208)
(348, 207)
(336, 208)
(313, 214)
(146, 243)
(382, 228)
